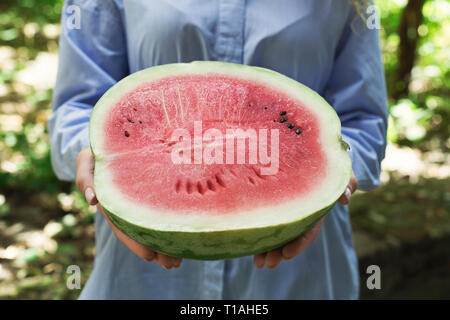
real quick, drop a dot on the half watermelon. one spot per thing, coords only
(212, 160)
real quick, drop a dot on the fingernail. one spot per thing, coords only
(287, 257)
(348, 194)
(89, 194)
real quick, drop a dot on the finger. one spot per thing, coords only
(345, 197)
(85, 175)
(259, 259)
(273, 258)
(294, 248)
(353, 184)
(137, 248)
(177, 262)
(166, 261)
(90, 196)
(351, 188)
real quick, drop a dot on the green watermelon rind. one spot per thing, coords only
(214, 245)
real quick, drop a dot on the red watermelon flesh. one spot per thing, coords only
(140, 125)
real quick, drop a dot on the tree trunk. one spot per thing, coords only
(410, 21)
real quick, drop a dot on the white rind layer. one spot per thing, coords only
(338, 162)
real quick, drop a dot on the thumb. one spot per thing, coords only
(85, 175)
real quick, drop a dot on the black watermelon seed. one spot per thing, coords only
(130, 120)
(127, 134)
(291, 126)
(282, 113)
(298, 131)
(283, 120)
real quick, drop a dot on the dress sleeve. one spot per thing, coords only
(357, 91)
(92, 58)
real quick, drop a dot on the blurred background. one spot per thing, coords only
(403, 226)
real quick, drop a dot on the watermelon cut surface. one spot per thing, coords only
(251, 197)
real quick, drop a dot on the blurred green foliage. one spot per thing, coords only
(421, 119)
(16, 14)
(46, 225)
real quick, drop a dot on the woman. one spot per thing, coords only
(311, 41)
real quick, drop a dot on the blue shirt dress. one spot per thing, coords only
(316, 42)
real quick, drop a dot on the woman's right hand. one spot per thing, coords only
(85, 183)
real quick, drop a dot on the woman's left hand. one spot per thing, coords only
(272, 259)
